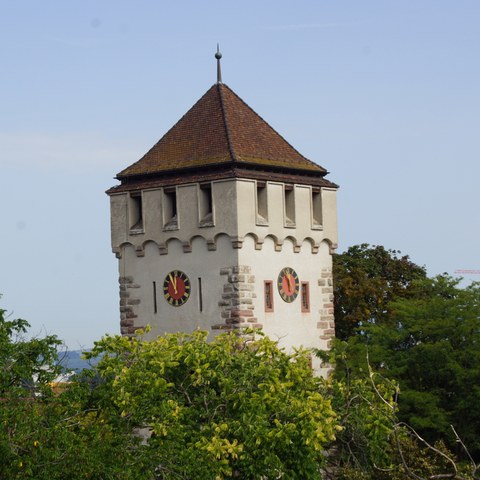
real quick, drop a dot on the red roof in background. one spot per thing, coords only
(220, 129)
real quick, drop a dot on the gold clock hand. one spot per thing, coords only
(174, 282)
(289, 281)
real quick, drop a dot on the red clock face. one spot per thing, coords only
(288, 284)
(176, 288)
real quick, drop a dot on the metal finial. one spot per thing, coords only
(218, 56)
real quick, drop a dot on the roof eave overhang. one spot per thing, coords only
(221, 171)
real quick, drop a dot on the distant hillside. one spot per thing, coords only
(72, 360)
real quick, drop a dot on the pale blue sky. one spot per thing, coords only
(384, 94)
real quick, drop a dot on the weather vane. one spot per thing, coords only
(218, 56)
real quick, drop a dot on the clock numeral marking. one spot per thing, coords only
(288, 284)
(176, 288)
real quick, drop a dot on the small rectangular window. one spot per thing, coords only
(305, 293)
(268, 295)
(262, 205)
(289, 206)
(205, 201)
(170, 219)
(136, 213)
(316, 207)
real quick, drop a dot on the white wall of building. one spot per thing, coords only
(200, 263)
(234, 237)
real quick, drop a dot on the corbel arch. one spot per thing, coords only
(313, 244)
(118, 251)
(296, 245)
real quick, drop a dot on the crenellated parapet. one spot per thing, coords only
(233, 209)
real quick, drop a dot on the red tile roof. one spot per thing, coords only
(220, 129)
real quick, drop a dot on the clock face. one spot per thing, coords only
(176, 288)
(288, 284)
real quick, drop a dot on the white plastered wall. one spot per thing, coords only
(199, 263)
(287, 323)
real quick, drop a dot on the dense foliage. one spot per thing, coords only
(176, 407)
(431, 345)
(373, 444)
(49, 434)
(366, 280)
(424, 333)
(25, 365)
(234, 406)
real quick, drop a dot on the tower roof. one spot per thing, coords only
(220, 130)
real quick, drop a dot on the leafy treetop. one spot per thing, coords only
(366, 279)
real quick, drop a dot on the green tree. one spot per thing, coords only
(235, 406)
(366, 279)
(27, 365)
(74, 434)
(365, 403)
(430, 344)
(373, 443)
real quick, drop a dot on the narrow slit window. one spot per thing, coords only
(206, 205)
(268, 295)
(170, 209)
(200, 295)
(154, 297)
(136, 213)
(262, 205)
(305, 294)
(317, 219)
(289, 206)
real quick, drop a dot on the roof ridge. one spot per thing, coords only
(226, 123)
(271, 128)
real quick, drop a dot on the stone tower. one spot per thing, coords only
(222, 224)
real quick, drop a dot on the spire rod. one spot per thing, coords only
(218, 56)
